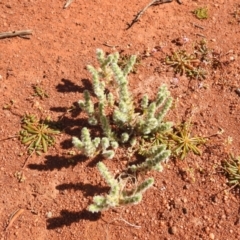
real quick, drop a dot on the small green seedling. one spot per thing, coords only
(236, 14)
(20, 176)
(9, 105)
(232, 169)
(40, 92)
(181, 141)
(201, 13)
(202, 51)
(36, 134)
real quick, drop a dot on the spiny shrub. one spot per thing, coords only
(123, 122)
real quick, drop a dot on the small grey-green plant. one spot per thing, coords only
(118, 195)
(91, 147)
(155, 156)
(116, 112)
(123, 60)
(123, 123)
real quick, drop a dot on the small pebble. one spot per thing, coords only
(207, 229)
(184, 210)
(184, 200)
(211, 236)
(237, 91)
(49, 214)
(172, 230)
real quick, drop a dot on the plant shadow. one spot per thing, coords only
(87, 189)
(58, 162)
(69, 86)
(68, 217)
(74, 110)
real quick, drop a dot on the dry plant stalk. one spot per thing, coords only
(152, 3)
(67, 4)
(14, 216)
(20, 33)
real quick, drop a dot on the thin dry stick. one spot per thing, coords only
(122, 219)
(108, 45)
(200, 35)
(198, 26)
(20, 33)
(128, 223)
(67, 4)
(13, 217)
(152, 3)
(25, 162)
(4, 139)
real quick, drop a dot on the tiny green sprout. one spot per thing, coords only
(232, 169)
(201, 13)
(38, 91)
(236, 13)
(202, 51)
(9, 105)
(37, 134)
(20, 176)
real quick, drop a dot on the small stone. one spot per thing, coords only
(174, 81)
(49, 214)
(207, 229)
(172, 230)
(211, 236)
(214, 198)
(223, 217)
(162, 223)
(184, 200)
(184, 210)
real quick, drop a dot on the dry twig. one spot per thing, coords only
(152, 3)
(13, 217)
(67, 4)
(20, 33)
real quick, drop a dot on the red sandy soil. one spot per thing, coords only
(189, 199)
